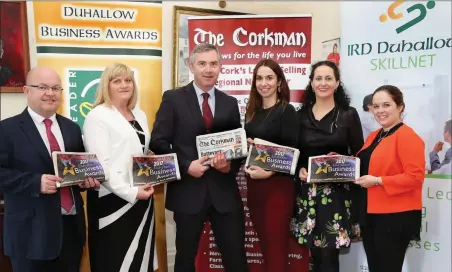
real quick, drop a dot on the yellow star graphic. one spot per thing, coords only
(324, 169)
(145, 171)
(262, 158)
(69, 170)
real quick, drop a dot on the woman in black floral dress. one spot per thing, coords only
(323, 219)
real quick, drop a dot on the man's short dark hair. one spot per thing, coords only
(367, 101)
(448, 127)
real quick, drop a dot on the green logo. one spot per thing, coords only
(82, 93)
(420, 9)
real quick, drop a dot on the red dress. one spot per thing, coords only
(271, 201)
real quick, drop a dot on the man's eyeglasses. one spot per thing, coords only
(45, 88)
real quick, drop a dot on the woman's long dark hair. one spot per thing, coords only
(255, 100)
(340, 95)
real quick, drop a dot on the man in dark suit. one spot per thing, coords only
(204, 192)
(44, 225)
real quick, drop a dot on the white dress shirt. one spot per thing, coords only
(55, 128)
(210, 101)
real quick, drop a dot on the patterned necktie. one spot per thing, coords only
(65, 193)
(206, 112)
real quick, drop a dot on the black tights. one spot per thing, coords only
(325, 259)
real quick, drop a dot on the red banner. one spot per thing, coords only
(209, 257)
(243, 41)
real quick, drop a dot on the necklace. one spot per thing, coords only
(381, 133)
(271, 108)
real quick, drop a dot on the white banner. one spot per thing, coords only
(406, 44)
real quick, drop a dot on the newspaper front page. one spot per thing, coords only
(75, 167)
(273, 157)
(154, 169)
(334, 168)
(232, 143)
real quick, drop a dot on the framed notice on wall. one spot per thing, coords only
(14, 53)
(331, 50)
(180, 40)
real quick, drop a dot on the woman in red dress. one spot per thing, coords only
(270, 117)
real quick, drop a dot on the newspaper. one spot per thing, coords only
(273, 157)
(231, 142)
(154, 169)
(75, 167)
(335, 168)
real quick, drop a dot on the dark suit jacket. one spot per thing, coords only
(178, 121)
(33, 221)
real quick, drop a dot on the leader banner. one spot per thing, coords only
(407, 44)
(243, 41)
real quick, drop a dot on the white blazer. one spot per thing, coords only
(111, 137)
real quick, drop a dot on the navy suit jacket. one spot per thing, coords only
(178, 121)
(33, 221)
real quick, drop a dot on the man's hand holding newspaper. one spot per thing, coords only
(197, 168)
(222, 147)
(220, 163)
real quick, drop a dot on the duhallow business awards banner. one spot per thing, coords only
(79, 39)
(407, 44)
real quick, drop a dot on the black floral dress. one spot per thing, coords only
(326, 214)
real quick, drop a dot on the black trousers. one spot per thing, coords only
(386, 238)
(325, 259)
(229, 232)
(70, 255)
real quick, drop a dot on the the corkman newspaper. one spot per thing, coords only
(74, 167)
(335, 168)
(154, 169)
(273, 157)
(231, 142)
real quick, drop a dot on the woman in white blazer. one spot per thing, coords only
(120, 217)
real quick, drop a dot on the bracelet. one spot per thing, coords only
(377, 182)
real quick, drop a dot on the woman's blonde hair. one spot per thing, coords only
(112, 71)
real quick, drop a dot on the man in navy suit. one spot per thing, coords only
(204, 192)
(44, 225)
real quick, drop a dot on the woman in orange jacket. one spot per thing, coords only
(392, 169)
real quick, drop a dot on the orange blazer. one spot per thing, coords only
(400, 162)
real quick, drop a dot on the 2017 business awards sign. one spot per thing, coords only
(243, 41)
(407, 44)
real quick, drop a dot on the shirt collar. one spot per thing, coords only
(38, 119)
(199, 92)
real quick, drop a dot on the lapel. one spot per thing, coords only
(193, 104)
(129, 132)
(143, 123)
(31, 131)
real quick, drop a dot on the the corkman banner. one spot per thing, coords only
(243, 41)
